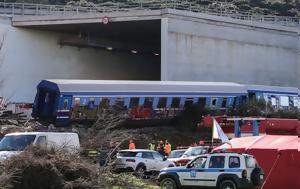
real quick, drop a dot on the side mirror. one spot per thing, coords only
(165, 158)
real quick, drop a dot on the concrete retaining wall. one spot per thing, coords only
(202, 49)
(32, 55)
(194, 47)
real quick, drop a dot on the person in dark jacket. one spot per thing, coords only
(161, 148)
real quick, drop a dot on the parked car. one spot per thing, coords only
(176, 154)
(14, 143)
(219, 170)
(190, 154)
(140, 161)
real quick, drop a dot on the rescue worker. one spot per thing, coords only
(103, 154)
(131, 145)
(161, 147)
(167, 148)
(151, 146)
(93, 154)
(201, 142)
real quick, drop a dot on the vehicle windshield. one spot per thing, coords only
(16, 142)
(195, 151)
(176, 154)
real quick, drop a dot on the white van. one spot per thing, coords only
(14, 143)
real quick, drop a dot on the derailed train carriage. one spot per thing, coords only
(61, 101)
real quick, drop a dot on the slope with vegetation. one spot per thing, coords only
(266, 7)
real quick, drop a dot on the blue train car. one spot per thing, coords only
(60, 100)
(278, 97)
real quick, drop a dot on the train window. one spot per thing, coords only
(175, 102)
(252, 96)
(134, 102)
(202, 102)
(76, 101)
(91, 103)
(224, 102)
(148, 102)
(273, 101)
(188, 102)
(66, 102)
(214, 102)
(284, 101)
(162, 102)
(296, 102)
(104, 102)
(120, 101)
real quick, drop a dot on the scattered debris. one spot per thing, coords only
(55, 169)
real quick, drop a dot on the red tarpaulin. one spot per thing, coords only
(278, 155)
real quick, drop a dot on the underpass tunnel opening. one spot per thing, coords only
(127, 50)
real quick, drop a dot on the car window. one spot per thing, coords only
(199, 163)
(127, 154)
(176, 153)
(234, 162)
(147, 155)
(217, 162)
(250, 162)
(158, 156)
(16, 142)
(41, 142)
(198, 151)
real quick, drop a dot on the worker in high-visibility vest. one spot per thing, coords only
(151, 146)
(167, 148)
(131, 145)
(93, 153)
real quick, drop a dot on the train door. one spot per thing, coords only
(46, 103)
(63, 115)
(66, 103)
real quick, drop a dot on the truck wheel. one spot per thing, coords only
(140, 171)
(256, 176)
(168, 183)
(227, 184)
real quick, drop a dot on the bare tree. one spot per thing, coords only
(1, 59)
(2, 77)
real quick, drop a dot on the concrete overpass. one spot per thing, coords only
(160, 44)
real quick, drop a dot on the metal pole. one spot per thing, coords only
(237, 129)
(255, 128)
(13, 9)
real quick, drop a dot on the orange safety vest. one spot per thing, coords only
(167, 149)
(131, 146)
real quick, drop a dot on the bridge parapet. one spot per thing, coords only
(25, 9)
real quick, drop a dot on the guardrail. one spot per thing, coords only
(13, 9)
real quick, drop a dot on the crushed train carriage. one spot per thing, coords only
(61, 101)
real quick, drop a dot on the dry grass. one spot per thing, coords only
(37, 168)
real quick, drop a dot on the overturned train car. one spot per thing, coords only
(61, 101)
